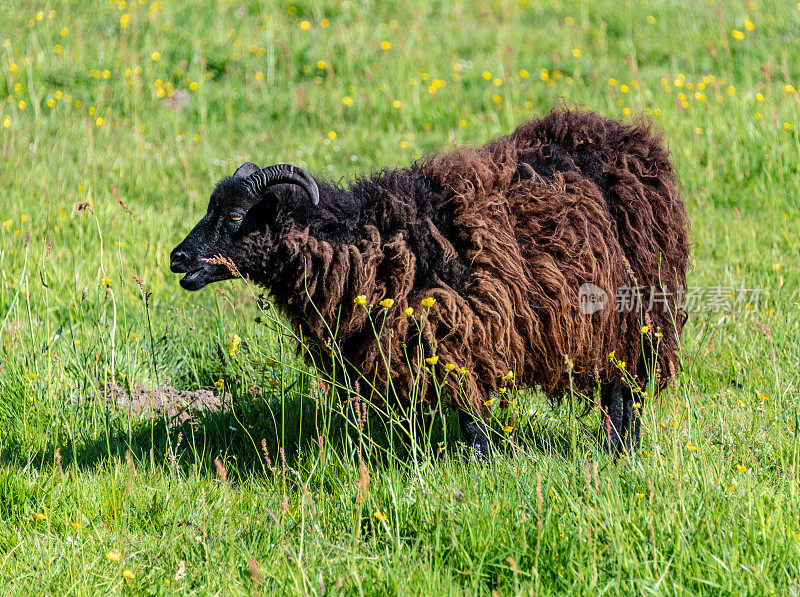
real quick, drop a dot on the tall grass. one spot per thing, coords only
(117, 119)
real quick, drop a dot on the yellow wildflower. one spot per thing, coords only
(113, 555)
(155, 56)
(508, 429)
(235, 341)
(305, 25)
(408, 311)
(691, 447)
(380, 516)
(737, 35)
(361, 299)
(387, 302)
(461, 370)
(385, 45)
(741, 468)
(428, 302)
(449, 366)
(509, 375)
(128, 574)
(432, 360)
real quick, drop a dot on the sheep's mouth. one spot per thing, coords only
(194, 280)
(201, 276)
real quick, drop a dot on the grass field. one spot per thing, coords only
(116, 121)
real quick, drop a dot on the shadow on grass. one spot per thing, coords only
(247, 437)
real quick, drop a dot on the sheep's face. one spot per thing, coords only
(248, 203)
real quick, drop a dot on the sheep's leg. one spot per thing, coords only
(611, 411)
(620, 420)
(476, 433)
(632, 424)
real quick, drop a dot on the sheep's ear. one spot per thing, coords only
(246, 170)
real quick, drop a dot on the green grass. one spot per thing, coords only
(710, 504)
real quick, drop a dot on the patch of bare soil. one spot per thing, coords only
(179, 406)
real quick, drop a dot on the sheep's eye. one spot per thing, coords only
(236, 217)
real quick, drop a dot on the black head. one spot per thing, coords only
(246, 203)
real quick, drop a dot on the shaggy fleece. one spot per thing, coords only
(502, 236)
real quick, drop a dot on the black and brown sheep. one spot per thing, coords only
(504, 237)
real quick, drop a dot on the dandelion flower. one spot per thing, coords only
(524, 74)
(788, 88)
(749, 25)
(787, 126)
(576, 52)
(651, 20)
(380, 516)
(385, 45)
(408, 311)
(113, 555)
(305, 25)
(128, 574)
(387, 302)
(155, 56)
(486, 75)
(33, 377)
(106, 281)
(124, 20)
(428, 302)
(737, 35)
(639, 496)
(347, 100)
(691, 447)
(361, 299)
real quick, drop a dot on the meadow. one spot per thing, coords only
(116, 119)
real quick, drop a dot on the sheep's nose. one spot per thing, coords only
(179, 261)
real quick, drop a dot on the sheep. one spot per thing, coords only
(506, 238)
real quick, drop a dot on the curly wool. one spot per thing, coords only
(502, 236)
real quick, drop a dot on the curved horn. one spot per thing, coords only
(284, 174)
